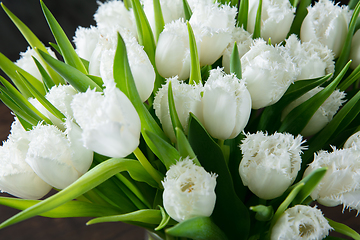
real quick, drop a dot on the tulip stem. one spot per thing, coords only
(148, 167)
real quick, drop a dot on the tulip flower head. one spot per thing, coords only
(85, 40)
(189, 191)
(270, 163)
(355, 50)
(301, 222)
(353, 140)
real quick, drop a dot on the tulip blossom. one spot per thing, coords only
(340, 185)
(186, 98)
(301, 222)
(353, 140)
(85, 40)
(270, 164)
(226, 105)
(326, 23)
(323, 115)
(312, 59)
(110, 123)
(16, 176)
(189, 191)
(268, 72)
(355, 50)
(276, 18)
(56, 157)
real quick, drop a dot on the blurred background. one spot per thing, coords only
(71, 14)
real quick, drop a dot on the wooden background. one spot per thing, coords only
(70, 14)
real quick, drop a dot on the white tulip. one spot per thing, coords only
(186, 98)
(355, 50)
(110, 123)
(243, 41)
(276, 18)
(189, 191)
(16, 176)
(268, 72)
(270, 164)
(323, 115)
(301, 223)
(85, 40)
(353, 140)
(56, 157)
(226, 105)
(311, 58)
(326, 23)
(341, 183)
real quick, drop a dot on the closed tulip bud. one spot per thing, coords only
(353, 140)
(226, 105)
(323, 115)
(312, 59)
(276, 18)
(341, 183)
(270, 164)
(85, 40)
(243, 41)
(355, 50)
(189, 191)
(268, 72)
(16, 176)
(56, 157)
(326, 23)
(110, 123)
(301, 222)
(186, 98)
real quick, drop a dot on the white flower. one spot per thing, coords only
(276, 18)
(110, 123)
(340, 185)
(268, 72)
(353, 140)
(186, 98)
(270, 164)
(16, 176)
(243, 41)
(85, 40)
(301, 222)
(323, 115)
(326, 23)
(226, 105)
(26, 62)
(213, 24)
(312, 58)
(355, 50)
(56, 157)
(172, 55)
(189, 191)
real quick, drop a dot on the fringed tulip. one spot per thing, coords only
(85, 40)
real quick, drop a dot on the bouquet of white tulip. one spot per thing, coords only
(194, 119)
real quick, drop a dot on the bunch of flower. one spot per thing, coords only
(191, 118)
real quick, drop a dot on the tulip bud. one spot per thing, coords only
(353, 140)
(301, 222)
(16, 176)
(186, 98)
(85, 40)
(268, 72)
(56, 157)
(323, 115)
(276, 18)
(226, 105)
(340, 185)
(270, 163)
(355, 50)
(326, 23)
(312, 59)
(189, 191)
(110, 123)
(243, 41)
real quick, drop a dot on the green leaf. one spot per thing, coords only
(301, 12)
(69, 209)
(343, 229)
(352, 3)
(199, 228)
(184, 146)
(33, 42)
(159, 19)
(76, 78)
(355, 75)
(89, 180)
(187, 10)
(164, 221)
(263, 213)
(235, 63)
(230, 214)
(257, 27)
(243, 14)
(48, 82)
(175, 121)
(97, 80)
(149, 216)
(195, 72)
(62, 41)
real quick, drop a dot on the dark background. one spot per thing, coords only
(70, 14)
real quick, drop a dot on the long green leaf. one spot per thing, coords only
(48, 82)
(62, 41)
(165, 219)
(89, 180)
(343, 229)
(175, 121)
(187, 10)
(184, 146)
(195, 72)
(243, 14)
(257, 27)
(235, 63)
(159, 19)
(301, 12)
